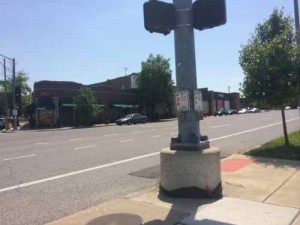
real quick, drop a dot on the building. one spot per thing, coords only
(53, 103)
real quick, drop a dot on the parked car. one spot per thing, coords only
(2, 123)
(221, 112)
(254, 110)
(287, 107)
(243, 111)
(132, 118)
(232, 111)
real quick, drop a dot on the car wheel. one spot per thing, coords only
(144, 121)
(128, 122)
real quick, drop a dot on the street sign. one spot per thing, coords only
(159, 17)
(183, 101)
(198, 100)
(208, 14)
(3, 82)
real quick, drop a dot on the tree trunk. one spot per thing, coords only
(286, 138)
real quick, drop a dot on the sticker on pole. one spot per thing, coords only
(198, 100)
(182, 101)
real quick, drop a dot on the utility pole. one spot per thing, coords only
(125, 69)
(228, 89)
(189, 165)
(15, 113)
(186, 78)
(5, 88)
(296, 11)
(297, 28)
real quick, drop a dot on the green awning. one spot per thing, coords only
(74, 105)
(125, 106)
(68, 105)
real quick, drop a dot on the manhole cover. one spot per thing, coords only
(117, 219)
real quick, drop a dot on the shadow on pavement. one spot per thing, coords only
(277, 163)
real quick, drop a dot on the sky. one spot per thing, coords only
(90, 41)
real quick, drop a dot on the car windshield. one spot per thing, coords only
(128, 116)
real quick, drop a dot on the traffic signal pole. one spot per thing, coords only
(189, 137)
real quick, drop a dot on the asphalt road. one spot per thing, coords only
(45, 175)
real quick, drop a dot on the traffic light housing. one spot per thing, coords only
(159, 17)
(209, 13)
(18, 94)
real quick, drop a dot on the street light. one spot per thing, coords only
(13, 89)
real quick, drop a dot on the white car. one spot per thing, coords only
(287, 107)
(254, 110)
(243, 111)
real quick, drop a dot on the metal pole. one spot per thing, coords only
(14, 93)
(5, 88)
(296, 11)
(189, 137)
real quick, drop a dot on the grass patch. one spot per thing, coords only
(277, 149)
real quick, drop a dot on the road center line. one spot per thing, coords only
(224, 125)
(108, 135)
(75, 173)
(84, 147)
(251, 130)
(156, 136)
(19, 157)
(127, 141)
(41, 143)
(75, 139)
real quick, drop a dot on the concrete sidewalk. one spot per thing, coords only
(257, 191)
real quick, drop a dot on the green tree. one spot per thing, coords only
(22, 81)
(270, 62)
(87, 107)
(154, 82)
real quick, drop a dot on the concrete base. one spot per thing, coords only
(189, 174)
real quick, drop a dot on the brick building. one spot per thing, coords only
(53, 101)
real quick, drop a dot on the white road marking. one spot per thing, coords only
(224, 125)
(121, 162)
(75, 172)
(251, 130)
(156, 136)
(75, 139)
(19, 157)
(41, 143)
(84, 147)
(126, 141)
(108, 135)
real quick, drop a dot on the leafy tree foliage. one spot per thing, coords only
(87, 107)
(22, 81)
(270, 62)
(154, 82)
